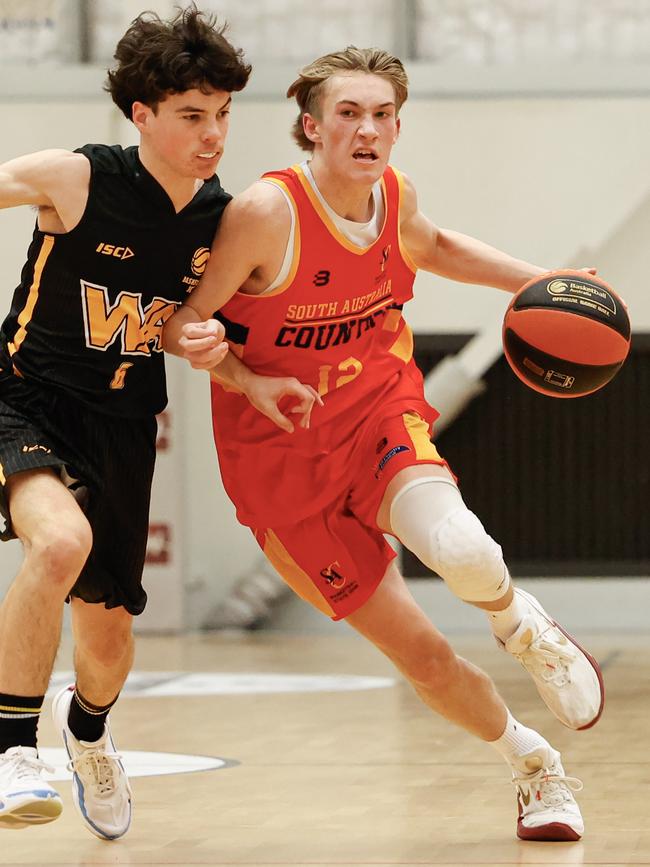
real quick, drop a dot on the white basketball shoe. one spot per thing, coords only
(547, 808)
(100, 787)
(25, 797)
(567, 678)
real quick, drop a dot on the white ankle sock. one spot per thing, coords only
(504, 623)
(516, 741)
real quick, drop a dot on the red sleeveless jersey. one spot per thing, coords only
(336, 324)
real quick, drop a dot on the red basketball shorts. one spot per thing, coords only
(336, 558)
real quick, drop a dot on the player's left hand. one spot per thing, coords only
(278, 397)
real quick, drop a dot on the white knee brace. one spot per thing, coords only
(428, 515)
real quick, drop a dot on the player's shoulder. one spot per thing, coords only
(408, 194)
(53, 168)
(109, 159)
(260, 202)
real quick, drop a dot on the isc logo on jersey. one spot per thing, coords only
(115, 251)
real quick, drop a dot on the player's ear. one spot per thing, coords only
(140, 114)
(398, 127)
(310, 127)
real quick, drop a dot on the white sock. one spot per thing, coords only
(505, 623)
(516, 741)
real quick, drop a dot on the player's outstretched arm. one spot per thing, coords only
(52, 180)
(457, 256)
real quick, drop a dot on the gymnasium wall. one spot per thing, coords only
(557, 181)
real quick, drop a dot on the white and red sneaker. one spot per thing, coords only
(567, 678)
(547, 809)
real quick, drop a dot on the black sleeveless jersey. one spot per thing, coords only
(88, 314)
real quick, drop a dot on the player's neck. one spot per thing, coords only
(349, 200)
(180, 189)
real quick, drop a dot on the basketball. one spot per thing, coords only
(566, 333)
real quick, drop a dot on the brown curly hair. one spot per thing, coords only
(308, 87)
(156, 58)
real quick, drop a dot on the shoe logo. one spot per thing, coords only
(525, 798)
(37, 448)
(115, 251)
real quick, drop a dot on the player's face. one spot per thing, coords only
(187, 133)
(358, 126)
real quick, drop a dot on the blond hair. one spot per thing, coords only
(308, 87)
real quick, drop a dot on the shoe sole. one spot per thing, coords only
(531, 599)
(555, 832)
(36, 812)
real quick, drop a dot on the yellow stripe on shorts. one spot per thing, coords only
(418, 430)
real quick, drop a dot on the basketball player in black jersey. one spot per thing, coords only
(121, 237)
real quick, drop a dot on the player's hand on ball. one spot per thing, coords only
(203, 343)
(279, 397)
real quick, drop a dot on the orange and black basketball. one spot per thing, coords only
(566, 333)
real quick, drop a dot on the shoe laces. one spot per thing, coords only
(550, 788)
(97, 766)
(24, 767)
(548, 659)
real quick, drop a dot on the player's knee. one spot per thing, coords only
(467, 558)
(58, 557)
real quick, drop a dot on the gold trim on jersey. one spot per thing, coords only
(3, 478)
(410, 264)
(28, 310)
(403, 346)
(327, 221)
(295, 256)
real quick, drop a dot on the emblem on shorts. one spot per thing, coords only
(37, 448)
(333, 578)
(391, 454)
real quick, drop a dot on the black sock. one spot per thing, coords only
(86, 720)
(19, 720)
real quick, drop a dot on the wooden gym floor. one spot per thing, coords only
(366, 777)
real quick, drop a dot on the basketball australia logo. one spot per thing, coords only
(558, 287)
(200, 260)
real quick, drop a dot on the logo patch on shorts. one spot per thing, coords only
(391, 454)
(333, 578)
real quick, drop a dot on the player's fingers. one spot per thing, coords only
(209, 328)
(273, 413)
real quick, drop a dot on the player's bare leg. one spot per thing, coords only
(463, 694)
(449, 685)
(56, 540)
(103, 658)
(424, 509)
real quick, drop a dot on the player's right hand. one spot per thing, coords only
(203, 343)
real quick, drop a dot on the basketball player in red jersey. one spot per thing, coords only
(319, 295)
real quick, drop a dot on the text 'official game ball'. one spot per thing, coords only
(566, 333)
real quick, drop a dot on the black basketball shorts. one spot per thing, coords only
(108, 459)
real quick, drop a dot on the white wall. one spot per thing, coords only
(551, 180)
